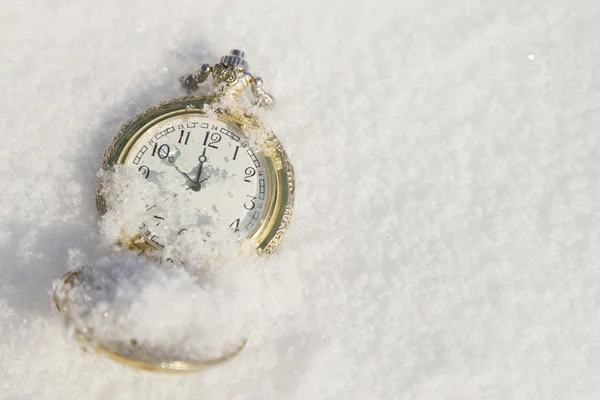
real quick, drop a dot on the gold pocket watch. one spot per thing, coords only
(215, 155)
(231, 169)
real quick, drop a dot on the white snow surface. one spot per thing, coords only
(445, 242)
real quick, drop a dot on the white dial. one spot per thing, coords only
(219, 176)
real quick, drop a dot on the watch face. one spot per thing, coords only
(208, 170)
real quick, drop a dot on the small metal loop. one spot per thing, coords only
(190, 81)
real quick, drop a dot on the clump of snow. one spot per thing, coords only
(128, 197)
(154, 312)
(162, 305)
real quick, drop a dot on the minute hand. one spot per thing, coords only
(202, 160)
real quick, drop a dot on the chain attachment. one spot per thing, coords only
(230, 78)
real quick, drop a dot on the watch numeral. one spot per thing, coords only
(159, 218)
(214, 138)
(145, 171)
(162, 151)
(250, 172)
(235, 225)
(236, 151)
(187, 137)
(252, 204)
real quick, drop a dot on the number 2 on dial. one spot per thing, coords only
(250, 172)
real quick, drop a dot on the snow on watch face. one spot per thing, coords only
(212, 169)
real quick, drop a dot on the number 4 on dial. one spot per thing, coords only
(235, 225)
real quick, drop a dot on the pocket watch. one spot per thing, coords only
(214, 153)
(231, 170)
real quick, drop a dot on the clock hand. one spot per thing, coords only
(197, 186)
(202, 160)
(191, 181)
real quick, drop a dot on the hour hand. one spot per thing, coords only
(189, 180)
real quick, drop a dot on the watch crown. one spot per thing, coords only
(235, 59)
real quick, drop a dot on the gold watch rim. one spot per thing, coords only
(171, 366)
(280, 203)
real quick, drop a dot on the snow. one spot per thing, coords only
(445, 242)
(155, 312)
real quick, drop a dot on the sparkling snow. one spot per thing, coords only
(445, 243)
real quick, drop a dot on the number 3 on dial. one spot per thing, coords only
(251, 205)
